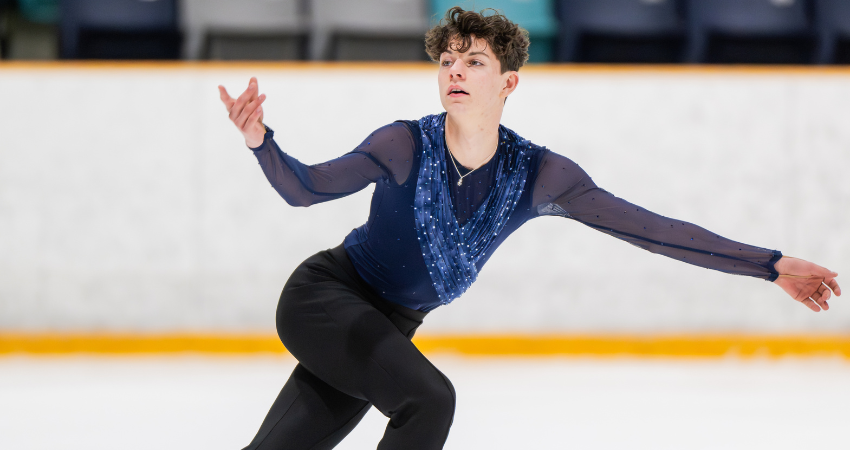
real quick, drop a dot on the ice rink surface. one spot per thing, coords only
(203, 402)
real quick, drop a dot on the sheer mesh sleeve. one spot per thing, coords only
(387, 153)
(562, 188)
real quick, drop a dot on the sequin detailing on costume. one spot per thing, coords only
(449, 250)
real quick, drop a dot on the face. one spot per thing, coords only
(472, 82)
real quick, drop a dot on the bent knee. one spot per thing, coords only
(430, 408)
(447, 394)
(439, 397)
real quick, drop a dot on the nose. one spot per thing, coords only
(456, 70)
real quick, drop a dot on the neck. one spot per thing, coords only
(473, 140)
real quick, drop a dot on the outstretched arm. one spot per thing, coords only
(386, 154)
(563, 188)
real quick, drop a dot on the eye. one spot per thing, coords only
(476, 62)
(446, 62)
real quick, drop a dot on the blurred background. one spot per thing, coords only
(142, 251)
(590, 31)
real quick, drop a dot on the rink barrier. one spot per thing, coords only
(474, 345)
(39, 282)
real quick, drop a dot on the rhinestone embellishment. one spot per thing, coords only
(449, 250)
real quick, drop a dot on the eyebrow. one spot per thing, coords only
(449, 51)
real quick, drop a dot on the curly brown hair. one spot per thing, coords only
(508, 40)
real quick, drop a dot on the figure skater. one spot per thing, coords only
(449, 189)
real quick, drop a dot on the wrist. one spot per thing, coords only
(774, 267)
(254, 143)
(256, 140)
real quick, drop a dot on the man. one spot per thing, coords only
(449, 189)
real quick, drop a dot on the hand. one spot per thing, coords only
(246, 112)
(808, 283)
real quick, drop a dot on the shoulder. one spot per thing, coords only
(412, 126)
(399, 128)
(532, 149)
(548, 164)
(393, 141)
(540, 155)
(552, 159)
(392, 135)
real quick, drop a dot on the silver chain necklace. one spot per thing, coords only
(452, 156)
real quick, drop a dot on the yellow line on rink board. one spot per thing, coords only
(651, 346)
(706, 346)
(138, 343)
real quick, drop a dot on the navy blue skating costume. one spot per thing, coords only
(347, 314)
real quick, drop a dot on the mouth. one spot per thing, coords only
(456, 92)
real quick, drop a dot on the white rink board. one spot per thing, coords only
(128, 202)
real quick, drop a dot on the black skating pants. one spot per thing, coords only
(354, 351)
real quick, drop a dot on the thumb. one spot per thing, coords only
(225, 97)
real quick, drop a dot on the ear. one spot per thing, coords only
(509, 83)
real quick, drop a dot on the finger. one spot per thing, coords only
(239, 105)
(827, 294)
(810, 304)
(820, 297)
(243, 100)
(833, 285)
(249, 110)
(817, 296)
(225, 97)
(255, 118)
(254, 87)
(823, 304)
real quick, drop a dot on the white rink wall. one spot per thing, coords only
(129, 203)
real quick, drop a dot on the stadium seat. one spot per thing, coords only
(119, 29)
(244, 29)
(5, 5)
(536, 16)
(39, 11)
(750, 32)
(368, 30)
(832, 23)
(621, 31)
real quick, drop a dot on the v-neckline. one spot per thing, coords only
(451, 155)
(452, 198)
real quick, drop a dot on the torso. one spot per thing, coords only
(386, 251)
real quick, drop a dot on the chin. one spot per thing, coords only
(456, 108)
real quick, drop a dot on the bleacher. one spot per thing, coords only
(575, 31)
